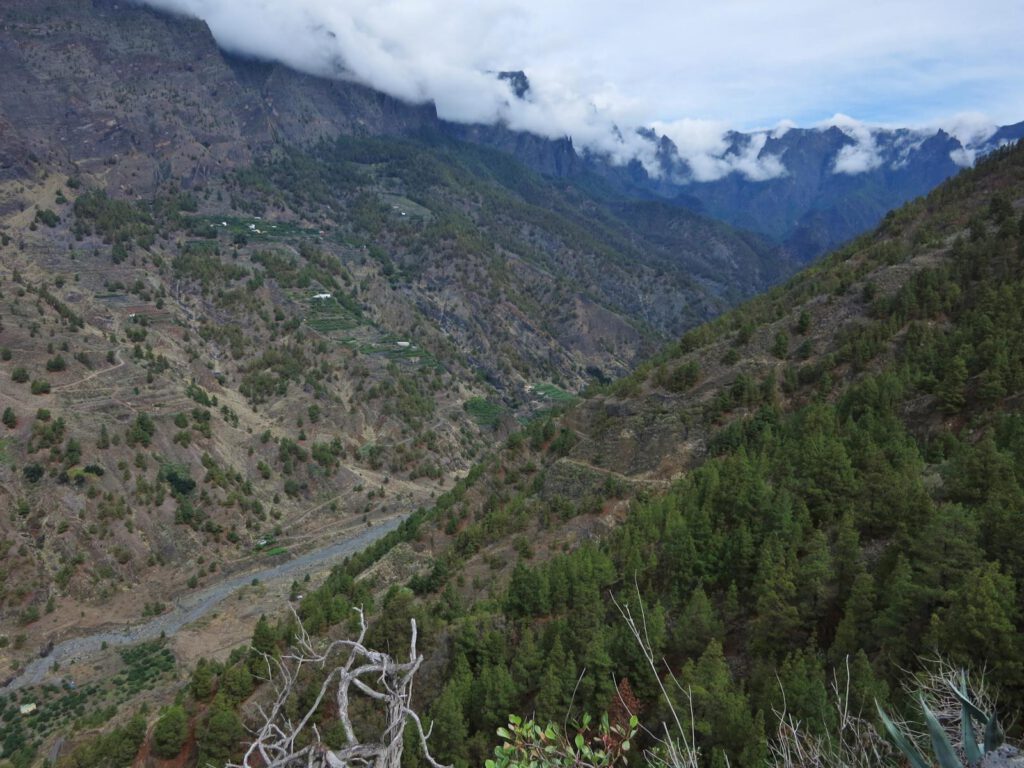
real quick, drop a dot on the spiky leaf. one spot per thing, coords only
(971, 750)
(973, 708)
(902, 742)
(944, 751)
(993, 734)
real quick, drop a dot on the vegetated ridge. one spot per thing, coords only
(826, 480)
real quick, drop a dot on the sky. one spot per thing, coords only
(691, 70)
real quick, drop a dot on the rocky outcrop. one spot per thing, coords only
(1004, 757)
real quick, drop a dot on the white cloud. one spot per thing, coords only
(598, 68)
(419, 51)
(710, 153)
(751, 164)
(963, 157)
(972, 129)
(784, 127)
(861, 156)
(699, 142)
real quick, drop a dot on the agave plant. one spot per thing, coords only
(944, 752)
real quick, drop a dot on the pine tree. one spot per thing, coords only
(698, 625)
(493, 696)
(776, 623)
(721, 710)
(951, 389)
(679, 553)
(236, 683)
(598, 684)
(981, 623)
(264, 641)
(854, 630)
(813, 576)
(894, 625)
(450, 732)
(527, 661)
(220, 736)
(848, 556)
(630, 660)
(802, 678)
(170, 732)
(865, 686)
(527, 592)
(556, 685)
(203, 680)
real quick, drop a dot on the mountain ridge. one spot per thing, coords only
(796, 197)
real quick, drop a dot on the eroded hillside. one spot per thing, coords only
(236, 367)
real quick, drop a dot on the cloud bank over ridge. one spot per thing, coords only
(414, 52)
(585, 83)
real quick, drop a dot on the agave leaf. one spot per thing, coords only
(976, 712)
(971, 750)
(993, 734)
(944, 751)
(902, 742)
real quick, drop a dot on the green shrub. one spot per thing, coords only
(170, 732)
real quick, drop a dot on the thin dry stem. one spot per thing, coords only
(679, 748)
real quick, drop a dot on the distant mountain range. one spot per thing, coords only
(809, 189)
(189, 110)
(814, 205)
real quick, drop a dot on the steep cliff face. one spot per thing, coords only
(125, 93)
(138, 96)
(552, 157)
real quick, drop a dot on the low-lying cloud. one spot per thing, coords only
(711, 151)
(417, 51)
(861, 156)
(448, 51)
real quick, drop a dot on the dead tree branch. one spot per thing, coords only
(287, 741)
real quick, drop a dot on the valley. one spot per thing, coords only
(279, 349)
(250, 367)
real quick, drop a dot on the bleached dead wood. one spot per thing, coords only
(284, 741)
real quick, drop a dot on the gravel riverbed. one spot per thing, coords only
(191, 607)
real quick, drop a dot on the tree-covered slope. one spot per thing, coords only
(827, 480)
(831, 475)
